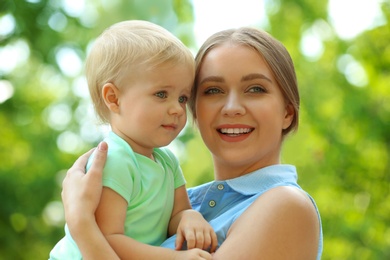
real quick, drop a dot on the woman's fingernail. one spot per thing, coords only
(103, 146)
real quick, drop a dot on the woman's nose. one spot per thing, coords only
(233, 105)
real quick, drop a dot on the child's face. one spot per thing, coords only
(152, 106)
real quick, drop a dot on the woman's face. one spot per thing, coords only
(240, 110)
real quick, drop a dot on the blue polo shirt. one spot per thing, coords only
(222, 202)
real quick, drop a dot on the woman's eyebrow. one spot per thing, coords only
(255, 76)
(212, 79)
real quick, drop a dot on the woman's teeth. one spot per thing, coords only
(235, 131)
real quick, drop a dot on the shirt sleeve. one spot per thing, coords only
(174, 164)
(118, 173)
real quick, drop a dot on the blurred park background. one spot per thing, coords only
(341, 150)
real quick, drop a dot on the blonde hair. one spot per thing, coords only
(125, 46)
(273, 52)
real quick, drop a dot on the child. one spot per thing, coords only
(140, 78)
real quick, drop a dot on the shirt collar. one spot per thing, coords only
(263, 179)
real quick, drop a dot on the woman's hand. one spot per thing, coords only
(81, 191)
(81, 195)
(192, 254)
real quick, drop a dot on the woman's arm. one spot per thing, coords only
(281, 224)
(81, 195)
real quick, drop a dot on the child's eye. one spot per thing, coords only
(257, 89)
(211, 91)
(183, 99)
(161, 94)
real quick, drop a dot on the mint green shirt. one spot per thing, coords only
(148, 187)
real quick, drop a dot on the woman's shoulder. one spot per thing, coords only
(286, 210)
(285, 221)
(285, 201)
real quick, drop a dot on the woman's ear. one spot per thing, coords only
(110, 94)
(289, 116)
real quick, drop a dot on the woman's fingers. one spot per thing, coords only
(99, 158)
(81, 191)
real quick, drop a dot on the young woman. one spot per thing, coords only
(245, 101)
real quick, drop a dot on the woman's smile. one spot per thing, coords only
(234, 133)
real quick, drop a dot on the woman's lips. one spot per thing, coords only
(234, 133)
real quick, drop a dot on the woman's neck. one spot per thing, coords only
(225, 171)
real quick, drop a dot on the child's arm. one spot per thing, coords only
(189, 225)
(81, 195)
(111, 215)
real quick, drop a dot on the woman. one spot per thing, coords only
(245, 101)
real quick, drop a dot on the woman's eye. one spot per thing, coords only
(161, 94)
(211, 91)
(183, 99)
(257, 89)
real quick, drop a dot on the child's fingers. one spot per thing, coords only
(214, 241)
(179, 241)
(207, 241)
(190, 238)
(210, 241)
(200, 239)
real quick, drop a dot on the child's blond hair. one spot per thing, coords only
(129, 45)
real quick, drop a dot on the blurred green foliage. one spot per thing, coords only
(341, 150)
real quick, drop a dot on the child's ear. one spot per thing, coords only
(289, 116)
(110, 94)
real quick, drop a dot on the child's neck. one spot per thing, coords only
(137, 148)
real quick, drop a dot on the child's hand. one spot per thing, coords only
(198, 233)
